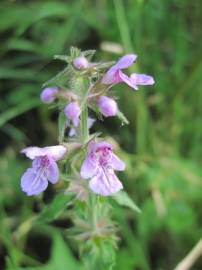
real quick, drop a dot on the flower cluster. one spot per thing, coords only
(99, 167)
(44, 168)
(100, 163)
(115, 75)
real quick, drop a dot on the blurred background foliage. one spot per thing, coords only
(161, 146)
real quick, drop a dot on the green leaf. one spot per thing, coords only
(61, 257)
(101, 256)
(57, 206)
(123, 199)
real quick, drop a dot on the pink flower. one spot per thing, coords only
(99, 166)
(72, 112)
(44, 168)
(80, 62)
(107, 106)
(48, 94)
(115, 75)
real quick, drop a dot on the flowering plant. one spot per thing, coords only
(87, 161)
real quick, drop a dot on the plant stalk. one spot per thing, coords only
(84, 124)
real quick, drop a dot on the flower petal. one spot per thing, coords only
(90, 122)
(72, 112)
(36, 163)
(107, 106)
(125, 61)
(48, 94)
(52, 172)
(117, 163)
(105, 183)
(94, 147)
(72, 132)
(124, 78)
(75, 121)
(57, 152)
(142, 79)
(33, 151)
(89, 167)
(32, 182)
(111, 77)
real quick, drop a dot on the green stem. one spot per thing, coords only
(84, 124)
(83, 85)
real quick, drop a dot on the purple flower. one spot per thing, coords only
(107, 106)
(44, 168)
(99, 166)
(80, 62)
(48, 94)
(115, 75)
(72, 112)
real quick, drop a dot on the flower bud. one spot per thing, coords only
(107, 106)
(72, 112)
(48, 94)
(80, 62)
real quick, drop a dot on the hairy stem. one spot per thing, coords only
(84, 124)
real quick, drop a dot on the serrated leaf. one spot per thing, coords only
(123, 199)
(122, 117)
(56, 207)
